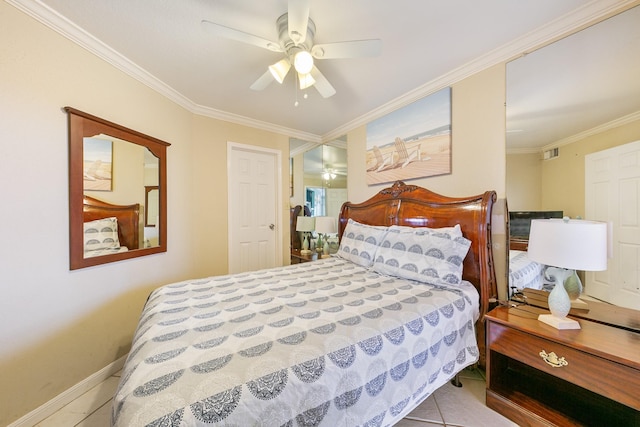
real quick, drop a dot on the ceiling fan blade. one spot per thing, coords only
(322, 84)
(352, 49)
(263, 81)
(298, 17)
(237, 35)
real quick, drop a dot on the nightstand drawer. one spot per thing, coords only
(604, 377)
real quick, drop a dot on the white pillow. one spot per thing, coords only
(447, 232)
(524, 273)
(423, 256)
(101, 234)
(360, 241)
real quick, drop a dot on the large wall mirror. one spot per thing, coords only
(117, 192)
(565, 101)
(319, 175)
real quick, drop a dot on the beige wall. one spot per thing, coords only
(478, 142)
(478, 150)
(524, 182)
(61, 326)
(209, 174)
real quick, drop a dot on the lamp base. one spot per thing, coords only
(559, 322)
(305, 252)
(579, 304)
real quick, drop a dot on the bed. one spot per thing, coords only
(523, 272)
(109, 228)
(343, 341)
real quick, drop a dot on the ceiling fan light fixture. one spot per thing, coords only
(280, 69)
(328, 175)
(306, 80)
(303, 62)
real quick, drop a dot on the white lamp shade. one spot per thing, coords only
(306, 80)
(572, 244)
(326, 225)
(280, 69)
(305, 223)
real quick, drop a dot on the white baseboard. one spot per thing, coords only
(69, 395)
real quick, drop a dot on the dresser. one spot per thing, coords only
(540, 376)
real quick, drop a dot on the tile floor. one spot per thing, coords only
(449, 406)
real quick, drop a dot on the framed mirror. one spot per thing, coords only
(117, 192)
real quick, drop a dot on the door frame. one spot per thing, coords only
(277, 156)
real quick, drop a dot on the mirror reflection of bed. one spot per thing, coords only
(109, 228)
(523, 272)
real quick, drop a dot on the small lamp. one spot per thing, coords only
(305, 224)
(566, 245)
(325, 225)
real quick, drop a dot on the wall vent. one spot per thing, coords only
(550, 154)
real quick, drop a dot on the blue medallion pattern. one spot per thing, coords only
(314, 344)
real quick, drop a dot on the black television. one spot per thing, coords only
(520, 221)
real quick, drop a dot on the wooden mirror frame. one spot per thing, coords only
(83, 125)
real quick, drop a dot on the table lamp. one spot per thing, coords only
(305, 224)
(566, 245)
(325, 225)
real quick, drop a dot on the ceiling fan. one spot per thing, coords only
(296, 32)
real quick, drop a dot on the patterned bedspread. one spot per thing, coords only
(321, 343)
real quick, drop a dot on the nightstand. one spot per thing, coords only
(591, 376)
(297, 257)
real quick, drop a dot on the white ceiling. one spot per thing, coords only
(426, 45)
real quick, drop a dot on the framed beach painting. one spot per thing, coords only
(411, 142)
(98, 164)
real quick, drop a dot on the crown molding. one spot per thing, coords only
(589, 14)
(629, 118)
(576, 20)
(257, 124)
(303, 148)
(50, 18)
(621, 121)
(47, 16)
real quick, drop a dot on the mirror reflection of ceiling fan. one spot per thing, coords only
(295, 39)
(329, 174)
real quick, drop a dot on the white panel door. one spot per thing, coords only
(335, 198)
(254, 195)
(612, 185)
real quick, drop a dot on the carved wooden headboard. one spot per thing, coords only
(414, 206)
(128, 219)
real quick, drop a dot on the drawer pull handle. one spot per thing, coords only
(553, 360)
